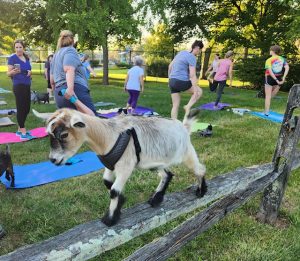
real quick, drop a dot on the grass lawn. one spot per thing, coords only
(35, 214)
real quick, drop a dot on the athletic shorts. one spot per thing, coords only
(271, 82)
(177, 86)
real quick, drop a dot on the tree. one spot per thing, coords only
(95, 21)
(159, 43)
(9, 11)
(35, 25)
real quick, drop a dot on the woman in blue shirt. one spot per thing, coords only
(67, 74)
(19, 69)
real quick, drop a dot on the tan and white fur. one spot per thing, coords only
(164, 143)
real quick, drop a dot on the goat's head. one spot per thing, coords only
(66, 130)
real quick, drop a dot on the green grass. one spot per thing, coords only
(38, 213)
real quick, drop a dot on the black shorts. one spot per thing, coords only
(178, 85)
(271, 82)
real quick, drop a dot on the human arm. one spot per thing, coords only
(142, 82)
(209, 69)
(230, 74)
(125, 82)
(52, 83)
(91, 70)
(170, 68)
(70, 78)
(193, 76)
(286, 71)
(12, 71)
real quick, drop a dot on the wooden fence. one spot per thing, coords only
(225, 193)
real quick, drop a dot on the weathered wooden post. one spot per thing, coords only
(283, 159)
(2, 232)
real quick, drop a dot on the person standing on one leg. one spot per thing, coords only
(19, 69)
(212, 69)
(275, 66)
(225, 68)
(182, 77)
(134, 83)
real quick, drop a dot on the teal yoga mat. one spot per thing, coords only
(273, 116)
(31, 175)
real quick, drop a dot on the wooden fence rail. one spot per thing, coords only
(233, 189)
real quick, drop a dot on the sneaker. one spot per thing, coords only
(18, 133)
(27, 136)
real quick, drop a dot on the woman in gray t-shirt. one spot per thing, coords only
(68, 75)
(182, 77)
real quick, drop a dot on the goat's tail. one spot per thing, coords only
(189, 118)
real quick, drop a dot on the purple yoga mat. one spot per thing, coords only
(210, 106)
(138, 111)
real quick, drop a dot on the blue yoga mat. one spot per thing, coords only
(32, 175)
(273, 116)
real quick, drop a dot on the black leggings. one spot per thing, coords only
(22, 95)
(222, 85)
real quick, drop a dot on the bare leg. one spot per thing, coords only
(275, 90)
(175, 105)
(268, 92)
(192, 162)
(158, 196)
(196, 94)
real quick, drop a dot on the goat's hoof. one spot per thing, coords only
(156, 199)
(110, 221)
(201, 192)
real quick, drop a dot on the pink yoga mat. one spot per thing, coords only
(11, 137)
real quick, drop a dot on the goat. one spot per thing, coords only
(162, 142)
(7, 166)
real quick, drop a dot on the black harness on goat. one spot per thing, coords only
(111, 158)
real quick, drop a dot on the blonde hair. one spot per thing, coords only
(229, 54)
(66, 38)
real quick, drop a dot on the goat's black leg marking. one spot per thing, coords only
(201, 192)
(7, 175)
(108, 183)
(109, 218)
(158, 196)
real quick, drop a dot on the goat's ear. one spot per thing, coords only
(43, 116)
(77, 122)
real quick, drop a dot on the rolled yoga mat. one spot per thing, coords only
(31, 175)
(8, 111)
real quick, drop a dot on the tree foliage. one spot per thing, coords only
(9, 11)
(236, 23)
(96, 22)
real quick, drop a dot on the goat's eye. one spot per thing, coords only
(64, 135)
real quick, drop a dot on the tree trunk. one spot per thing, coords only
(206, 62)
(105, 63)
(246, 49)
